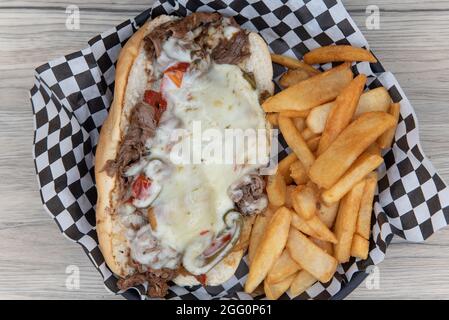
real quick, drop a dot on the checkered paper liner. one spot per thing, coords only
(72, 94)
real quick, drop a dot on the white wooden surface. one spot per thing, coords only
(412, 42)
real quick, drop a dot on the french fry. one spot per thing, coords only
(342, 112)
(288, 196)
(258, 231)
(374, 100)
(313, 143)
(374, 149)
(328, 213)
(298, 173)
(312, 92)
(386, 139)
(273, 118)
(270, 248)
(276, 189)
(304, 202)
(366, 206)
(359, 247)
(327, 246)
(310, 257)
(295, 113)
(308, 134)
(245, 234)
(283, 268)
(346, 222)
(274, 290)
(358, 171)
(302, 225)
(293, 76)
(293, 63)
(299, 123)
(284, 167)
(349, 145)
(302, 281)
(296, 141)
(320, 230)
(338, 53)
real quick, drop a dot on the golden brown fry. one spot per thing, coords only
(366, 206)
(284, 267)
(320, 230)
(304, 202)
(300, 123)
(327, 246)
(348, 146)
(308, 134)
(302, 225)
(374, 149)
(274, 290)
(346, 222)
(313, 143)
(293, 63)
(273, 118)
(270, 248)
(365, 164)
(302, 281)
(359, 247)
(312, 92)
(338, 53)
(295, 114)
(245, 234)
(374, 100)
(293, 76)
(276, 189)
(296, 141)
(258, 231)
(328, 213)
(310, 257)
(316, 120)
(342, 112)
(284, 167)
(386, 139)
(298, 173)
(288, 196)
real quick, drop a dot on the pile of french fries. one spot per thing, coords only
(321, 197)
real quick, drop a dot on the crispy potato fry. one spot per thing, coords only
(313, 143)
(348, 146)
(245, 234)
(293, 63)
(320, 230)
(338, 53)
(308, 134)
(276, 189)
(346, 222)
(366, 206)
(302, 225)
(298, 173)
(359, 247)
(293, 76)
(327, 246)
(302, 281)
(270, 248)
(312, 92)
(342, 112)
(328, 213)
(304, 202)
(284, 167)
(295, 114)
(374, 149)
(374, 100)
(296, 141)
(288, 196)
(386, 139)
(284, 267)
(316, 120)
(358, 171)
(299, 123)
(273, 118)
(258, 231)
(310, 257)
(274, 290)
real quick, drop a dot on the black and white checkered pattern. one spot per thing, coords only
(72, 94)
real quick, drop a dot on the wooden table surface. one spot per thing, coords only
(412, 42)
